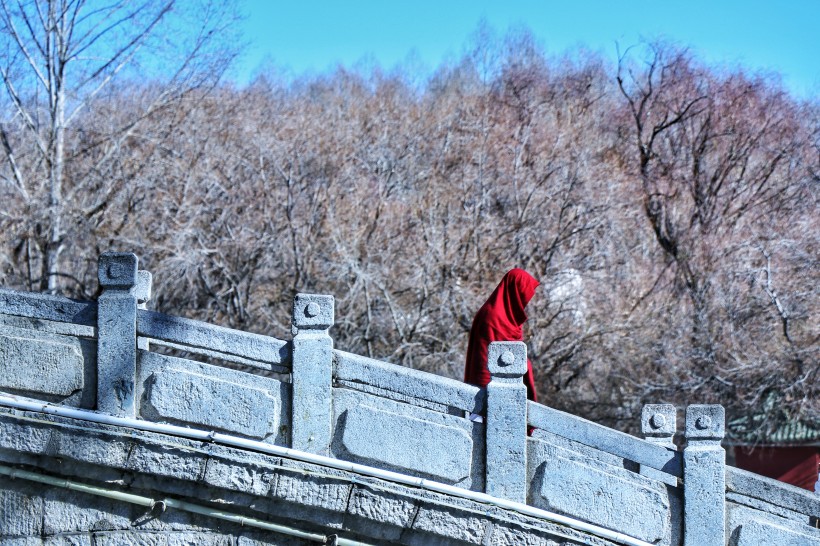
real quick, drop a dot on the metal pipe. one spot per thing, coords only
(170, 503)
(253, 445)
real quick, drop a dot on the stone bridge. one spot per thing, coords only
(106, 438)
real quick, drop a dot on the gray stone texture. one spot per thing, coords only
(21, 510)
(393, 513)
(746, 526)
(604, 439)
(506, 421)
(67, 511)
(449, 522)
(506, 437)
(704, 462)
(50, 326)
(164, 538)
(416, 446)
(247, 475)
(216, 341)
(756, 533)
(312, 312)
(300, 495)
(179, 391)
(117, 334)
(705, 422)
(761, 488)
(407, 385)
(117, 270)
(40, 363)
(658, 425)
(48, 307)
(432, 444)
(312, 365)
(69, 337)
(636, 509)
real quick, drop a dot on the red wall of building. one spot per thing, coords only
(795, 465)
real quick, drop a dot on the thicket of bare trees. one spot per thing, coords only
(669, 209)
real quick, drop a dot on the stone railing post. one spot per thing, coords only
(704, 478)
(658, 425)
(117, 333)
(311, 423)
(506, 424)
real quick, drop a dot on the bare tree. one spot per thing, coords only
(60, 57)
(724, 169)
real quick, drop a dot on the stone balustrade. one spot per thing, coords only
(116, 356)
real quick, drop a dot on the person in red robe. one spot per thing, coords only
(500, 319)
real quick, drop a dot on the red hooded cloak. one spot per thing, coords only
(500, 319)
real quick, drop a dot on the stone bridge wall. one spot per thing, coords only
(114, 357)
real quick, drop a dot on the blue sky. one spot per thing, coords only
(300, 36)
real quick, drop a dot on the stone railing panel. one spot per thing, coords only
(604, 439)
(47, 366)
(406, 385)
(761, 510)
(747, 527)
(409, 439)
(751, 486)
(47, 307)
(594, 490)
(244, 348)
(179, 391)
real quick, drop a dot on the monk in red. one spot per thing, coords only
(500, 319)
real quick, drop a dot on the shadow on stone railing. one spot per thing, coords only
(305, 395)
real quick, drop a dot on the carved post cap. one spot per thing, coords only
(705, 422)
(658, 420)
(312, 312)
(507, 359)
(143, 288)
(117, 270)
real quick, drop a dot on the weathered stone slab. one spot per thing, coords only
(193, 333)
(589, 494)
(312, 377)
(26, 541)
(326, 493)
(772, 491)
(755, 533)
(405, 384)
(40, 362)
(451, 523)
(158, 460)
(345, 400)
(177, 395)
(166, 538)
(263, 538)
(211, 397)
(381, 506)
(517, 536)
(21, 510)
(416, 446)
(506, 421)
(66, 540)
(44, 306)
(48, 326)
(246, 477)
(20, 436)
(605, 439)
(733, 499)
(70, 512)
(379, 514)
